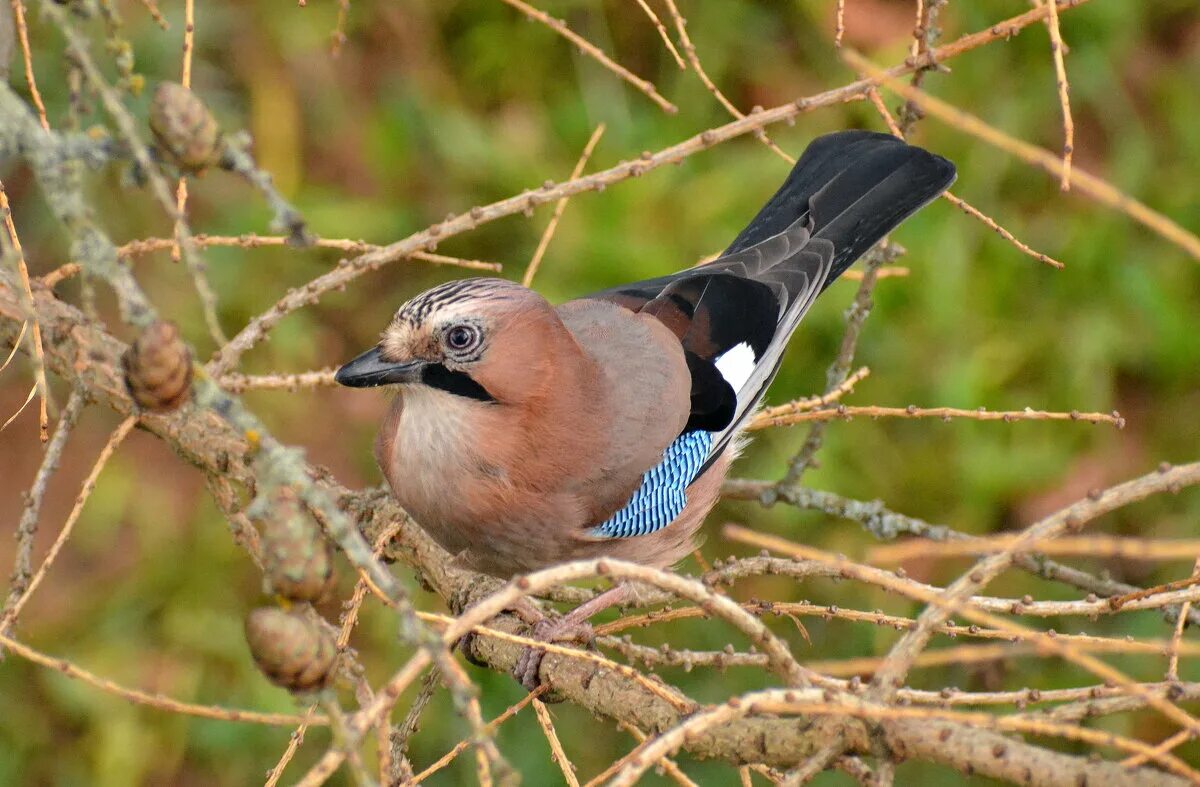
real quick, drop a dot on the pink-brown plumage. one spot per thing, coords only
(587, 398)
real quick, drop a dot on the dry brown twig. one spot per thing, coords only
(39, 357)
(768, 414)
(1058, 50)
(237, 383)
(668, 765)
(1177, 635)
(27, 526)
(662, 33)
(18, 10)
(559, 207)
(181, 188)
(592, 51)
(884, 272)
(508, 713)
(152, 700)
(726, 658)
(1084, 546)
(337, 39)
(1183, 735)
(14, 609)
(252, 241)
(152, 8)
(557, 755)
(710, 86)
(846, 412)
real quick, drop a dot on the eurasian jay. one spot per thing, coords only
(523, 435)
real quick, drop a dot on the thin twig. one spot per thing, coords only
(839, 369)
(152, 700)
(1068, 519)
(885, 272)
(295, 741)
(559, 207)
(767, 414)
(181, 189)
(591, 50)
(948, 603)
(59, 274)
(1180, 737)
(18, 9)
(710, 86)
(155, 14)
(666, 655)
(38, 356)
(557, 755)
(1084, 546)
(1177, 635)
(491, 726)
(988, 221)
(400, 736)
(1058, 50)
(668, 765)
(662, 33)
(27, 526)
(252, 241)
(238, 383)
(846, 412)
(89, 483)
(337, 723)
(337, 39)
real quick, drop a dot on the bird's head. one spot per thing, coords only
(478, 338)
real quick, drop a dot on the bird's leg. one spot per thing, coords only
(523, 608)
(572, 627)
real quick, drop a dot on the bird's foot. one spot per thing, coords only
(466, 646)
(529, 663)
(523, 608)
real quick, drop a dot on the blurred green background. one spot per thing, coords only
(434, 107)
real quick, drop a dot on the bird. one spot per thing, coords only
(524, 435)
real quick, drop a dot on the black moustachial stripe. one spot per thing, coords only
(435, 375)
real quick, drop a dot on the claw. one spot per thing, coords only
(528, 667)
(466, 645)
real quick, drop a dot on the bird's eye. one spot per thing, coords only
(462, 337)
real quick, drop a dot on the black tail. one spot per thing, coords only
(855, 186)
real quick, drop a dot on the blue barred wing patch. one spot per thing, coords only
(661, 496)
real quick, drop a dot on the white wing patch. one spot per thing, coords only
(736, 365)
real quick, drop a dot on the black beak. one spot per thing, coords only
(371, 369)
